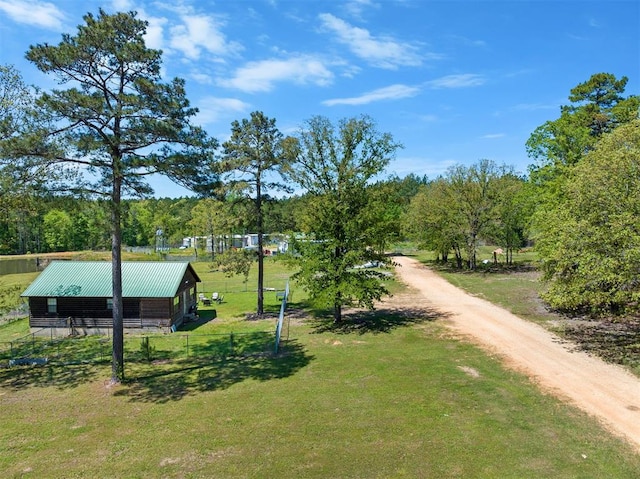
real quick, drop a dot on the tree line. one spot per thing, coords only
(75, 162)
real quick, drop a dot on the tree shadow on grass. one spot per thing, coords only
(381, 320)
(50, 375)
(490, 268)
(204, 317)
(201, 374)
(213, 362)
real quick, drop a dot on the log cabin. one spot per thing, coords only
(76, 297)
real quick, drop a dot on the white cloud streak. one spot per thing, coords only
(260, 76)
(212, 109)
(457, 81)
(198, 33)
(40, 14)
(392, 92)
(382, 52)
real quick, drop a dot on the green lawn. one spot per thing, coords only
(514, 287)
(410, 402)
(399, 398)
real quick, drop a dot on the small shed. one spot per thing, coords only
(77, 296)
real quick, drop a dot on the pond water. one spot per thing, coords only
(22, 265)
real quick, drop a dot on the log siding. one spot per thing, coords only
(95, 313)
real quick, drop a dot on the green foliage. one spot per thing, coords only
(147, 349)
(235, 262)
(481, 201)
(57, 230)
(590, 242)
(513, 209)
(598, 106)
(122, 122)
(343, 220)
(253, 152)
(432, 221)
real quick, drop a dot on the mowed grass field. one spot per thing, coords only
(406, 401)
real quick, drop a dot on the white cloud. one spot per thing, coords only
(198, 33)
(154, 37)
(383, 52)
(213, 109)
(457, 81)
(393, 92)
(534, 107)
(356, 7)
(428, 118)
(41, 14)
(261, 76)
(122, 5)
(493, 136)
(202, 78)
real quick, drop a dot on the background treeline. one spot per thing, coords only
(52, 223)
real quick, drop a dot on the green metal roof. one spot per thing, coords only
(140, 279)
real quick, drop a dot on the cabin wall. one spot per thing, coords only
(155, 312)
(74, 312)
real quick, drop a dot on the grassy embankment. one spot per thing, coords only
(405, 401)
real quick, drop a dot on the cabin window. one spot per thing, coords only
(176, 300)
(109, 304)
(52, 305)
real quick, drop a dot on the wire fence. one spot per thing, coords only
(35, 349)
(44, 346)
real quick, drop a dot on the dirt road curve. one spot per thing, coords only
(602, 390)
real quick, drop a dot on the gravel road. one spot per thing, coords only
(605, 391)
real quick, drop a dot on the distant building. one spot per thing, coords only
(222, 242)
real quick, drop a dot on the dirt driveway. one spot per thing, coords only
(603, 390)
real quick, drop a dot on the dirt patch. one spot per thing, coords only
(470, 371)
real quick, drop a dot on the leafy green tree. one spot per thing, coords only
(475, 192)
(384, 214)
(252, 155)
(19, 208)
(211, 217)
(432, 218)
(590, 242)
(235, 261)
(597, 106)
(336, 168)
(118, 122)
(58, 230)
(514, 208)
(17, 102)
(280, 215)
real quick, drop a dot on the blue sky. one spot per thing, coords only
(453, 81)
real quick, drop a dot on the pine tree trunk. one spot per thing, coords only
(260, 310)
(117, 364)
